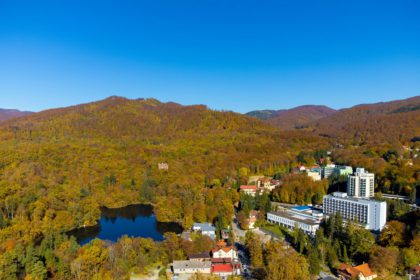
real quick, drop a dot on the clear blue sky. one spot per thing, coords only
(235, 55)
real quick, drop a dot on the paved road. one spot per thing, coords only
(239, 233)
(265, 235)
(244, 257)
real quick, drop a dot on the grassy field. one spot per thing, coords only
(274, 229)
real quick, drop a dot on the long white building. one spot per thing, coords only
(301, 216)
(361, 184)
(191, 267)
(369, 213)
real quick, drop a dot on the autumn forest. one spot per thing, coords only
(58, 167)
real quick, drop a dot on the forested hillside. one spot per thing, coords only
(295, 117)
(58, 166)
(387, 122)
(382, 137)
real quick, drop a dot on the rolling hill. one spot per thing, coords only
(6, 114)
(295, 117)
(63, 164)
(380, 123)
(73, 160)
(385, 122)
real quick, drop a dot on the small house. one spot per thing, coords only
(223, 251)
(249, 190)
(362, 272)
(205, 229)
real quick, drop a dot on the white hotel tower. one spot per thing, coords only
(356, 204)
(361, 184)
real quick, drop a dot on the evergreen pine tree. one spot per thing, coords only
(314, 261)
(345, 258)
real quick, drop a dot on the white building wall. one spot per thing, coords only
(289, 223)
(222, 254)
(192, 270)
(369, 213)
(361, 184)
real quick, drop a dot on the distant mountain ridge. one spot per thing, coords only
(295, 117)
(6, 114)
(384, 122)
(392, 121)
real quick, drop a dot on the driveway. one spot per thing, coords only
(239, 233)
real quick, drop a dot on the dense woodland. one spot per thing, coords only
(58, 167)
(297, 117)
(382, 123)
(60, 257)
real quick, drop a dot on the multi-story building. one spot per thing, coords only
(340, 170)
(361, 184)
(302, 216)
(369, 213)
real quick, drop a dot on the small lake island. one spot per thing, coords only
(133, 220)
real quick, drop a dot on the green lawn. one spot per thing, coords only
(274, 229)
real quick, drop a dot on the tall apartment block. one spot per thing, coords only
(361, 184)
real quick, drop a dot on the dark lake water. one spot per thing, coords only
(132, 220)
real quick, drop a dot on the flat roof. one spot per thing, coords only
(355, 199)
(205, 226)
(191, 264)
(222, 268)
(296, 217)
(301, 208)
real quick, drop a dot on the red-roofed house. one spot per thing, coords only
(250, 190)
(222, 269)
(361, 272)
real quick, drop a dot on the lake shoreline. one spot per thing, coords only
(135, 220)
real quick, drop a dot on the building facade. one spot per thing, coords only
(361, 184)
(205, 229)
(339, 170)
(253, 217)
(249, 190)
(314, 175)
(223, 251)
(267, 184)
(191, 267)
(371, 214)
(308, 222)
(223, 270)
